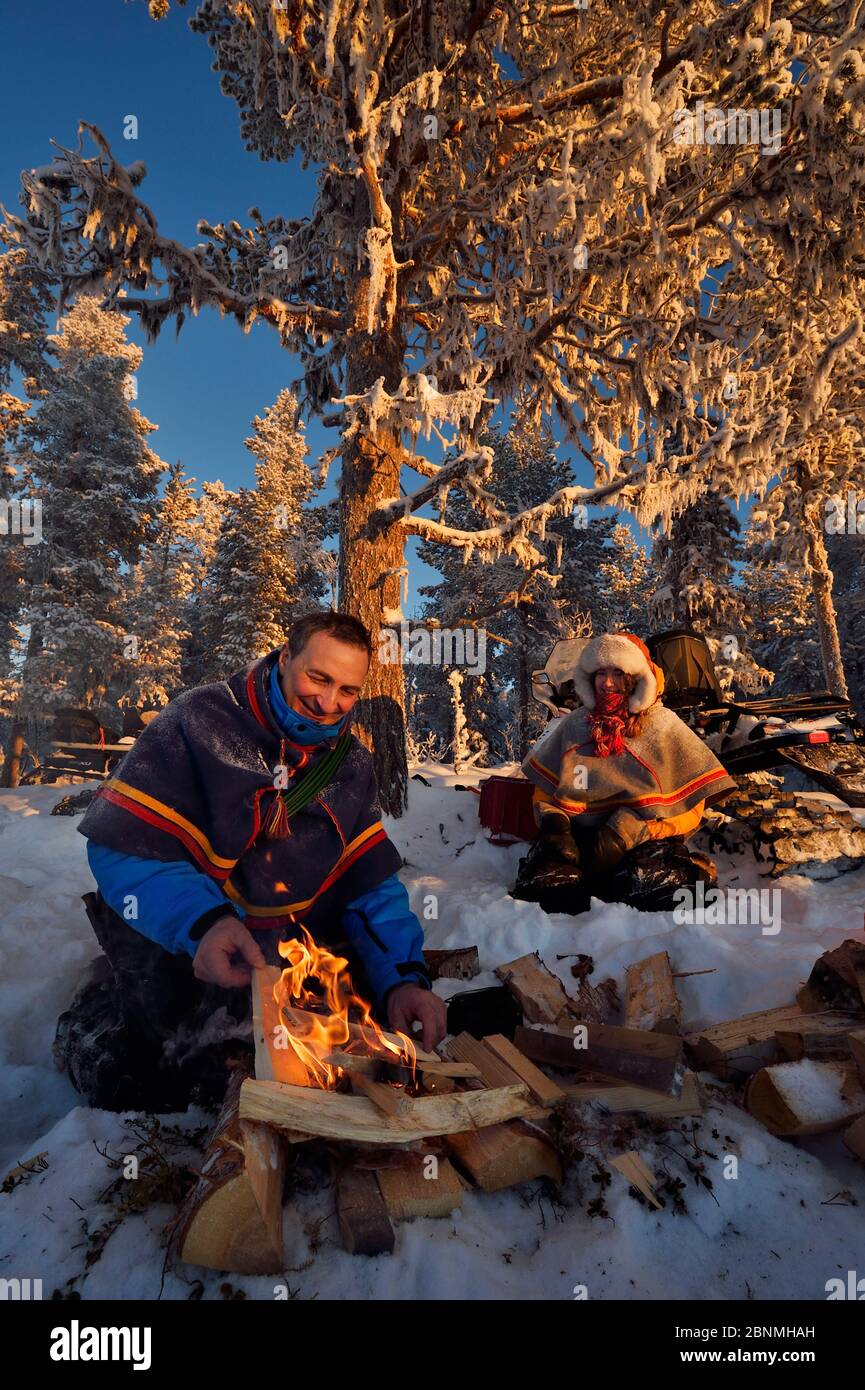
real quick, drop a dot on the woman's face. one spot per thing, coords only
(609, 680)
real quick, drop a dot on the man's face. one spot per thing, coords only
(323, 681)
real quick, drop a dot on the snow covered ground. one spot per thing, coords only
(792, 1219)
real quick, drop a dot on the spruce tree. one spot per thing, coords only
(89, 462)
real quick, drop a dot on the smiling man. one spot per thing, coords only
(245, 810)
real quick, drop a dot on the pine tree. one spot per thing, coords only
(158, 604)
(781, 621)
(89, 463)
(696, 573)
(847, 558)
(524, 611)
(25, 301)
(213, 508)
(626, 576)
(263, 573)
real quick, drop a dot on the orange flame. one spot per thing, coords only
(315, 1032)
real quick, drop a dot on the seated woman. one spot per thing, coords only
(619, 784)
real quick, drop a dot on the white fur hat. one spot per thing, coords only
(627, 653)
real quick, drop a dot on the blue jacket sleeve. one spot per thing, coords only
(387, 937)
(171, 903)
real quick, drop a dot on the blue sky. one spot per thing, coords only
(101, 62)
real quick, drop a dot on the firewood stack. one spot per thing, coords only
(476, 1118)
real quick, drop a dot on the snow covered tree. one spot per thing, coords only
(157, 606)
(263, 574)
(89, 463)
(782, 630)
(696, 572)
(522, 195)
(25, 301)
(524, 610)
(213, 507)
(627, 579)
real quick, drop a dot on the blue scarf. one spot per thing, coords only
(303, 731)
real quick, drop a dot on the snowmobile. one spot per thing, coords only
(83, 749)
(816, 732)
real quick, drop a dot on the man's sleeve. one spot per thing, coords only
(171, 903)
(387, 937)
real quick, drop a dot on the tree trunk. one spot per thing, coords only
(12, 770)
(823, 579)
(371, 475)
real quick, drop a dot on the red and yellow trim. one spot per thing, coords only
(545, 772)
(166, 818)
(373, 835)
(656, 799)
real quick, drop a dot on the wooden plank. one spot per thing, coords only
(803, 1097)
(632, 1167)
(333, 1116)
(824, 1036)
(371, 1066)
(545, 1091)
(390, 1100)
(653, 1060)
(540, 994)
(503, 1156)
(625, 1100)
(493, 1071)
(364, 1223)
(232, 1219)
(741, 1045)
(460, 963)
(651, 1001)
(408, 1193)
(856, 1039)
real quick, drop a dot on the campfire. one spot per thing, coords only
(324, 1021)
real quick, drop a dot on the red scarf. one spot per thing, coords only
(607, 723)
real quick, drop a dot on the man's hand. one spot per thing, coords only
(408, 1004)
(215, 960)
(556, 837)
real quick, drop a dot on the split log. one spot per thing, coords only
(408, 1193)
(333, 1116)
(854, 1138)
(626, 1100)
(540, 994)
(595, 1003)
(651, 1001)
(742, 1045)
(390, 1100)
(363, 1219)
(461, 963)
(232, 1218)
(490, 1068)
(825, 1037)
(545, 1091)
(275, 1058)
(503, 1156)
(353, 1062)
(835, 981)
(632, 1167)
(653, 1060)
(803, 1098)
